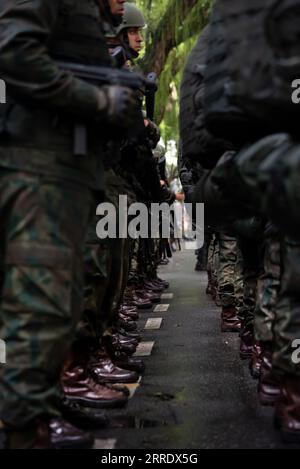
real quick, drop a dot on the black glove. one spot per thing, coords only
(153, 134)
(118, 106)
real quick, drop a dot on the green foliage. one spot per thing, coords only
(160, 13)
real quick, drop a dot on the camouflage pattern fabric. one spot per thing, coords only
(268, 289)
(44, 224)
(287, 316)
(227, 269)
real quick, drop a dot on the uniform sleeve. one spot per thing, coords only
(25, 65)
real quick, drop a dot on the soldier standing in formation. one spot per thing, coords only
(248, 179)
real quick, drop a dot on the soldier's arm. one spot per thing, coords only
(26, 66)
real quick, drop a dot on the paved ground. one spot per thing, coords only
(196, 393)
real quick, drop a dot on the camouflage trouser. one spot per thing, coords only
(106, 264)
(268, 289)
(44, 224)
(97, 267)
(118, 277)
(227, 269)
(287, 316)
(213, 261)
(134, 256)
(251, 253)
(239, 281)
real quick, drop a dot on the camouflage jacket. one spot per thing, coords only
(44, 103)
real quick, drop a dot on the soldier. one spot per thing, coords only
(227, 271)
(265, 175)
(270, 167)
(46, 199)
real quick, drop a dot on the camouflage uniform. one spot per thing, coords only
(46, 194)
(227, 270)
(239, 281)
(250, 250)
(287, 317)
(212, 264)
(268, 287)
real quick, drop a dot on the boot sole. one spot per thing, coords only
(255, 374)
(245, 355)
(102, 381)
(266, 400)
(290, 437)
(107, 404)
(230, 329)
(83, 445)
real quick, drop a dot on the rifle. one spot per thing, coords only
(150, 95)
(101, 76)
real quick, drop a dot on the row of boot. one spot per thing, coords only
(94, 378)
(279, 391)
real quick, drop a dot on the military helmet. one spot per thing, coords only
(133, 18)
(160, 153)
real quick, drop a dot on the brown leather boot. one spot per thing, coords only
(287, 411)
(155, 287)
(269, 383)
(79, 387)
(116, 344)
(230, 321)
(247, 341)
(130, 335)
(55, 434)
(130, 312)
(159, 281)
(130, 363)
(256, 361)
(147, 294)
(125, 338)
(131, 298)
(103, 369)
(126, 324)
(83, 417)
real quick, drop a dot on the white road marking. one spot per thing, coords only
(167, 296)
(105, 444)
(144, 349)
(153, 324)
(161, 308)
(133, 388)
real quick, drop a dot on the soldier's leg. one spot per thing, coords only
(97, 267)
(239, 281)
(268, 291)
(252, 262)
(210, 264)
(215, 269)
(112, 298)
(226, 271)
(226, 279)
(42, 290)
(101, 267)
(286, 361)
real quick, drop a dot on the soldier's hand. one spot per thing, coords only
(153, 132)
(118, 105)
(180, 197)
